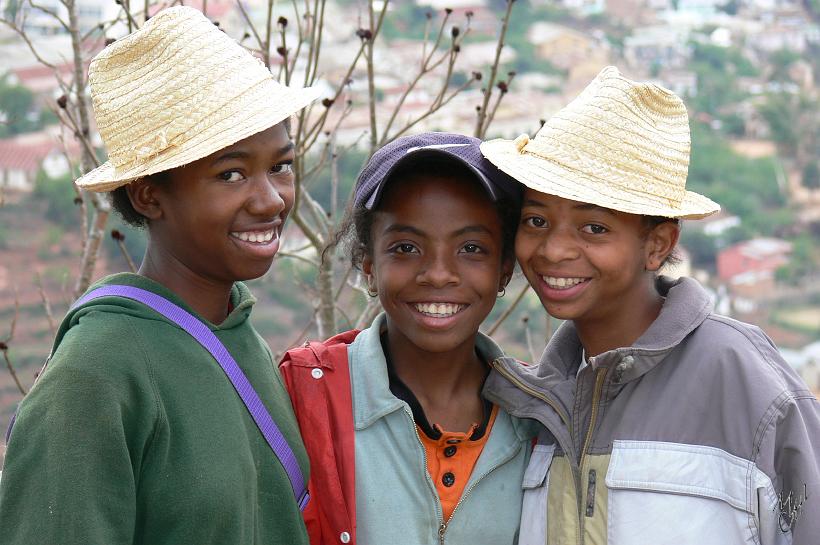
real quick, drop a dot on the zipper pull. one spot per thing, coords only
(441, 530)
(590, 511)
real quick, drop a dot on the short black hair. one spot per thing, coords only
(121, 202)
(355, 232)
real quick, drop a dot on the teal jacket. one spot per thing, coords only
(396, 500)
(134, 435)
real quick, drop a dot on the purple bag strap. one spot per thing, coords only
(212, 344)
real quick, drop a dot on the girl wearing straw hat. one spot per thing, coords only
(159, 417)
(662, 421)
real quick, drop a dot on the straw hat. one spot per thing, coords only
(620, 144)
(177, 90)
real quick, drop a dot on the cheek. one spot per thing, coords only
(524, 249)
(288, 195)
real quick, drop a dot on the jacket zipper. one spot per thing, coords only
(576, 474)
(535, 393)
(600, 374)
(442, 526)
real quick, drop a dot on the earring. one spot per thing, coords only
(371, 292)
(502, 292)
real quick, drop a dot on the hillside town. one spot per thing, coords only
(749, 71)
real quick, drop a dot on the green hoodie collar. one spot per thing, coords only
(241, 300)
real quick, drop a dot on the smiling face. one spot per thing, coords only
(590, 264)
(219, 219)
(436, 262)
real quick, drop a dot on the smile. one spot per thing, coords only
(562, 283)
(256, 237)
(439, 310)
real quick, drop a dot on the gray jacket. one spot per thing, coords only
(698, 433)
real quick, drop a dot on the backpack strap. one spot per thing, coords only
(204, 336)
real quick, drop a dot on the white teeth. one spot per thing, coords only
(438, 310)
(254, 236)
(561, 282)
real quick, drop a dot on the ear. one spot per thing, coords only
(507, 267)
(143, 195)
(660, 242)
(367, 269)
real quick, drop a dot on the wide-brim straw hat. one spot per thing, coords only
(620, 144)
(177, 90)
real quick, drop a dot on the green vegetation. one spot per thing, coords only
(59, 195)
(746, 187)
(18, 111)
(803, 261)
(717, 70)
(811, 175)
(781, 61)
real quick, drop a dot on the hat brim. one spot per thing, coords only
(264, 108)
(421, 153)
(550, 177)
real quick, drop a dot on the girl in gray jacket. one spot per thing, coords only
(663, 422)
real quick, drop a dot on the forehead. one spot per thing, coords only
(437, 201)
(545, 200)
(427, 185)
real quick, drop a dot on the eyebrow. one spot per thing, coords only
(240, 154)
(402, 228)
(579, 206)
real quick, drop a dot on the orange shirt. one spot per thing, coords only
(451, 459)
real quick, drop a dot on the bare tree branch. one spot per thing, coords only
(4, 344)
(507, 311)
(482, 122)
(46, 303)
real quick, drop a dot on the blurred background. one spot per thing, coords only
(748, 70)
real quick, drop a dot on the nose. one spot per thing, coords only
(267, 198)
(559, 245)
(438, 271)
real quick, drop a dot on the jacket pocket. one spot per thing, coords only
(669, 493)
(536, 487)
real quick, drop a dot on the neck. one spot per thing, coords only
(446, 384)
(207, 298)
(601, 335)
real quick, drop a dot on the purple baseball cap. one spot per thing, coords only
(458, 147)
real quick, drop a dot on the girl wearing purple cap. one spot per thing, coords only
(403, 447)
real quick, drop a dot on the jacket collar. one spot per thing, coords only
(372, 398)
(686, 306)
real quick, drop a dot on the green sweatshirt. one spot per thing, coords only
(134, 435)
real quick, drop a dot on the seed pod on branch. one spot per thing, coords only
(364, 34)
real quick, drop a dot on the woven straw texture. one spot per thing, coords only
(620, 144)
(178, 90)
